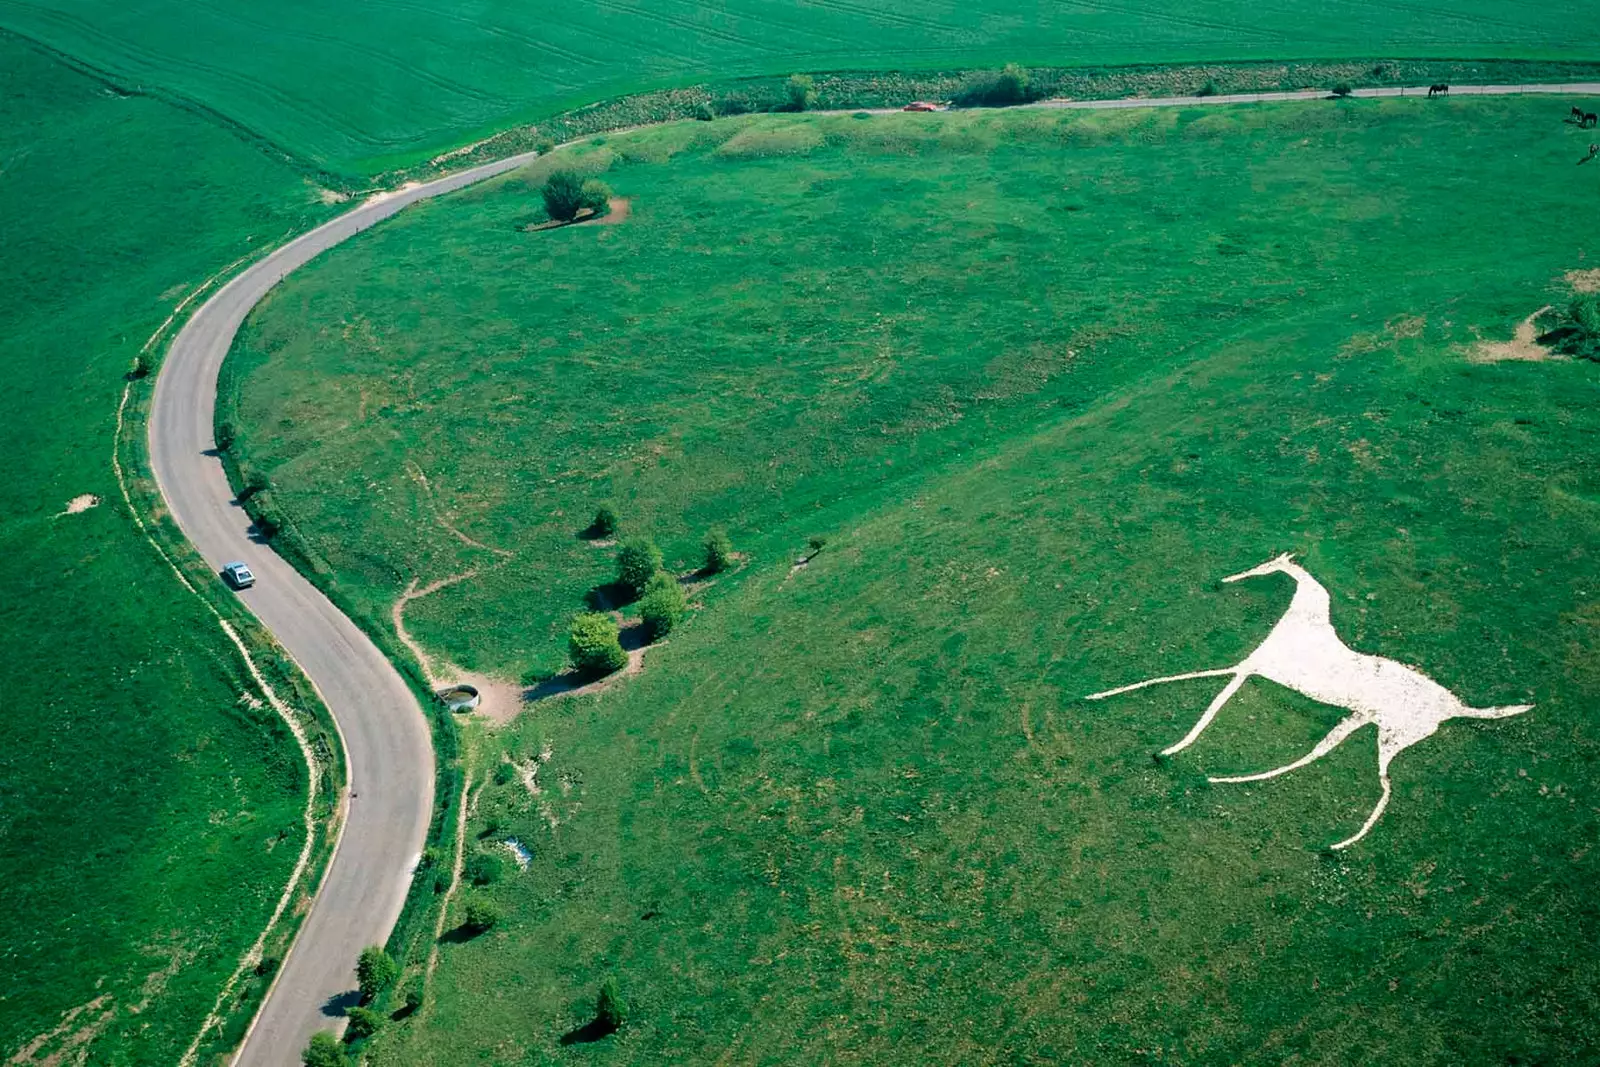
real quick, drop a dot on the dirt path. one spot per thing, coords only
(1524, 345)
(499, 700)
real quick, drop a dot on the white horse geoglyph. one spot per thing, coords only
(1304, 653)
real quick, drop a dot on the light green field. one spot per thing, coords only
(1042, 379)
(148, 818)
(365, 86)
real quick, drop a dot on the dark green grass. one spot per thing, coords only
(801, 316)
(860, 813)
(366, 86)
(148, 818)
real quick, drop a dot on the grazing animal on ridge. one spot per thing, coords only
(1589, 119)
(1437, 88)
(1303, 652)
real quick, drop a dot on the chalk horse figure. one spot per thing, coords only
(1304, 653)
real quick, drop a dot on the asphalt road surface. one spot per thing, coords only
(384, 733)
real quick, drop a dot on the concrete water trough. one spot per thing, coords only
(459, 697)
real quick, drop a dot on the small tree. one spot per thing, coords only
(1210, 88)
(610, 1010)
(376, 971)
(705, 112)
(544, 146)
(485, 868)
(991, 88)
(802, 92)
(481, 914)
(662, 605)
(413, 1001)
(1342, 89)
(364, 1022)
(141, 369)
(604, 523)
(593, 644)
(719, 551)
(225, 436)
(595, 196)
(637, 562)
(323, 1051)
(563, 195)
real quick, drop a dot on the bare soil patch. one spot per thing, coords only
(79, 504)
(1584, 281)
(1524, 345)
(618, 211)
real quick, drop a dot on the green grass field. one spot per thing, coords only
(149, 817)
(361, 87)
(1042, 379)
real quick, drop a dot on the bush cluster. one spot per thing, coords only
(996, 88)
(324, 1051)
(637, 563)
(719, 551)
(802, 92)
(376, 971)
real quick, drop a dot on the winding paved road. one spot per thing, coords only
(384, 732)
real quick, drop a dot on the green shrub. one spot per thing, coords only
(801, 90)
(705, 112)
(376, 971)
(1342, 89)
(484, 868)
(662, 605)
(226, 436)
(593, 644)
(267, 966)
(1584, 313)
(544, 146)
(637, 562)
(595, 196)
(1210, 88)
(610, 1010)
(719, 551)
(364, 1023)
(140, 369)
(430, 858)
(604, 523)
(324, 1051)
(503, 773)
(413, 1001)
(481, 914)
(817, 544)
(563, 194)
(995, 88)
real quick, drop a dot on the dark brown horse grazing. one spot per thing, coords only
(1589, 119)
(1435, 90)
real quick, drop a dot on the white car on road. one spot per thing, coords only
(237, 574)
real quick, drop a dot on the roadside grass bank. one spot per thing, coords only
(153, 800)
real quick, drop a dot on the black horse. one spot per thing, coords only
(1435, 90)
(1589, 119)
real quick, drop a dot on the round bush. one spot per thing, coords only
(662, 605)
(484, 869)
(481, 914)
(593, 644)
(719, 551)
(637, 563)
(604, 523)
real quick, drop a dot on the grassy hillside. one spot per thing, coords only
(368, 84)
(149, 815)
(1042, 379)
(800, 317)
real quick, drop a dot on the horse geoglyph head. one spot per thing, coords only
(1276, 563)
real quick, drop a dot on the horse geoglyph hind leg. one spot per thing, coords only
(1303, 652)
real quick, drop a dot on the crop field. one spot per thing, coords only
(149, 814)
(362, 87)
(1041, 379)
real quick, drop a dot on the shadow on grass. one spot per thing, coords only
(461, 934)
(593, 1030)
(608, 597)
